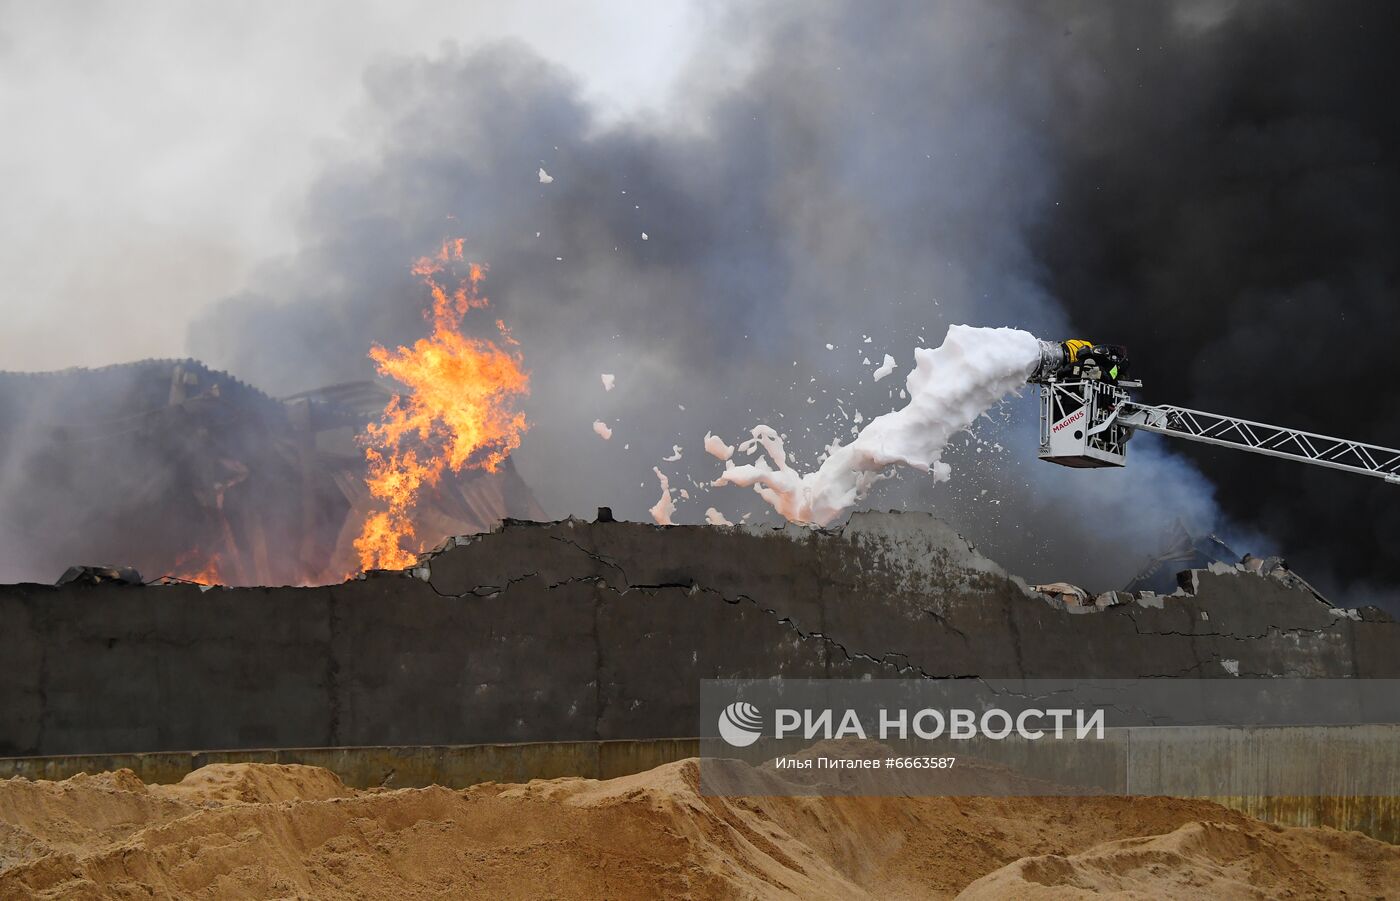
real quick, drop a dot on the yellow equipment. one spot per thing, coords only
(1075, 346)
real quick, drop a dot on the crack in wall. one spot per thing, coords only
(898, 662)
(1271, 631)
(943, 621)
(883, 659)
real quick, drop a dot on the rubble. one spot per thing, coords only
(99, 575)
(1065, 593)
(1183, 550)
(1113, 599)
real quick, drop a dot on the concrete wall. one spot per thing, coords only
(579, 631)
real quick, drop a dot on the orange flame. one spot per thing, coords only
(186, 571)
(459, 410)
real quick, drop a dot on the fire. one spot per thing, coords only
(459, 409)
(188, 571)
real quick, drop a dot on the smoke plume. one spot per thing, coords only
(838, 181)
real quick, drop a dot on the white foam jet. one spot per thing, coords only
(949, 387)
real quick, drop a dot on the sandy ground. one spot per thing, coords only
(258, 831)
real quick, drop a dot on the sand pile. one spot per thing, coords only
(1206, 860)
(255, 831)
(254, 784)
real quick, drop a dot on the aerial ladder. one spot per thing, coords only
(1087, 416)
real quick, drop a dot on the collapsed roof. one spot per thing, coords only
(1182, 551)
(178, 469)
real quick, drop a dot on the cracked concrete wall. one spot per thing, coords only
(582, 631)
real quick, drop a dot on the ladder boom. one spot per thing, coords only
(1261, 438)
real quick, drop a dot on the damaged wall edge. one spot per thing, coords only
(577, 631)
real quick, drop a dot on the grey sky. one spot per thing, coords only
(155, 151)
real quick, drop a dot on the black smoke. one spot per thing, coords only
(1228, 193)
(828, 172)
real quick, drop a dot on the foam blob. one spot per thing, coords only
(949, 388)
(545, 178)
(663, 509)
(715, 447)
(716, 518)
(885, 368)
(601, 428)
(609, 380)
